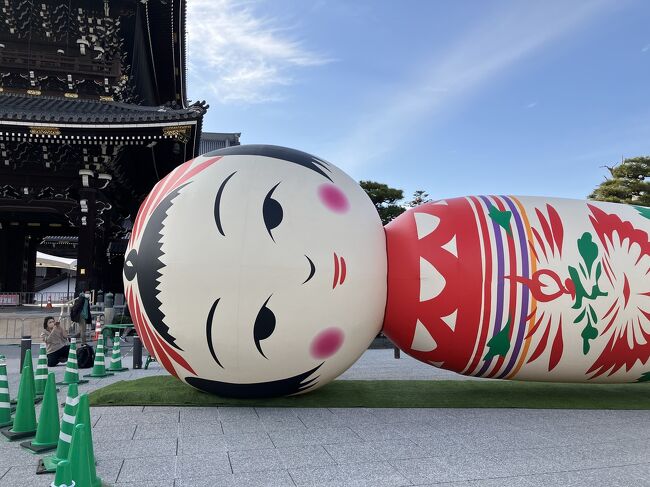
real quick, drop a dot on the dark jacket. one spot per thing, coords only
(77, 307)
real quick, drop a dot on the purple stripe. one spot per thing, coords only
(500, 258)
(525, 293)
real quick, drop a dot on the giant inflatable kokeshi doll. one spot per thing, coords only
(522, 288)
(263, 271)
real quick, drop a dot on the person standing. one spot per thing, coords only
(56, 342)
(80, 313)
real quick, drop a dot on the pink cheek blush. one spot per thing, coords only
(326, 343)
(333, 198)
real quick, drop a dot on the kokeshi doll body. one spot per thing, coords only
(522, 288)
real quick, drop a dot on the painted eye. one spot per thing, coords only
(130, 263)
(264, 326)
(272, 212)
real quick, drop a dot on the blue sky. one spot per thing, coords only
(452, 97)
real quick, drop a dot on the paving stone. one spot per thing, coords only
(13, 455)
(195, 429)
(148, 468)
(313, 436)
(16, 476)
(242, 425)
(116, 431)
(248, 441)
(237, 414)
(255, 460)
(444, 445)
(354, 474)
(377, 432)
(352, 452)
(153, 416)
(272, 478)
(600, 477)
(201, 445)
(276, 413)
(135, 448)
(156, 430)
(282, 423)
(309, 414)
(116, 410)
(517, 462)
(161, 409)
(402, 448)
(497, 482)
(108, 470)
(195, 414)
(444, 469)
(305, 456)
(200, 466)
(161, 483)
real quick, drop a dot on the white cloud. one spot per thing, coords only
(532, 104)
(492, 48)
(239, 56)
(646, 48)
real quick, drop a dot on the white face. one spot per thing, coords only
(272, 273)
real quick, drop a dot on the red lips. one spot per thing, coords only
(339, 270)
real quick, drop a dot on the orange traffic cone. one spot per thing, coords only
(49, 303)
(98, 329)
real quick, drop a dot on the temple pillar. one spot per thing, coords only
(30, 261)
(86, 246)
(13, 266)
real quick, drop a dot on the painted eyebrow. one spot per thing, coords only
(208, 331)
(217, 203)
(312, 270)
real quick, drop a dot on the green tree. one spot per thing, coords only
(385, 199)
(420, 197)
(629, 183)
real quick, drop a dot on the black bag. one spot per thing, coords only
(85, 356)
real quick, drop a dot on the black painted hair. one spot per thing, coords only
(289, 155)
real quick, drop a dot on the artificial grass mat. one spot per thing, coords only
(168, 391)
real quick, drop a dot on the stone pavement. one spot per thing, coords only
(172, 446)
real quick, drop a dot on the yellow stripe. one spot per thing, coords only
(533, 303)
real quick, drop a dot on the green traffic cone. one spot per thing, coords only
(83, 418)
(99, 366)
(71, 369)
(27, 362)
(63, 477)
(25, 419)
(41, 371)
(5, 406)
(116, 359)
(49, 463)
(80, 469)
(47, 432)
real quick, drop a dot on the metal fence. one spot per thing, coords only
(12, 329)
(43, 299)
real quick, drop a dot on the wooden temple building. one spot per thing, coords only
(93, 112)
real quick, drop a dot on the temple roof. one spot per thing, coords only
(25, 108)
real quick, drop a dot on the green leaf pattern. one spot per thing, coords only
(589, 252)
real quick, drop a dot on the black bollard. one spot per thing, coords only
(137, 352)
(25, 344)
(396, 352)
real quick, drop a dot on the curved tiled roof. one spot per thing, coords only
(27, 108)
